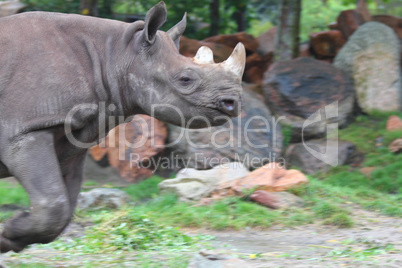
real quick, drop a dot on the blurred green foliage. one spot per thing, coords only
(260, 15)
(64, 6)
(316, 15)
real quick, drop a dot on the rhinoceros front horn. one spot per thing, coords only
(204, 56)
(237, 61)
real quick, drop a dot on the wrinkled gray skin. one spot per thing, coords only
(53, 62)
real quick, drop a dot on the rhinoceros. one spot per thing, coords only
(53, 64)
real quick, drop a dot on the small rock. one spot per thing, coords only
(271, 177)
(193, 184)
(394, 123)
(265, 198)
(221, 173)
(396, 146)
(103, 198)
(348, 21)
(326, 44)
(209, 259)
(188, 189)
(277, 200)
(290, 179)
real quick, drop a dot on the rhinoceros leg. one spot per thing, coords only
(32, 160)
(73, 171)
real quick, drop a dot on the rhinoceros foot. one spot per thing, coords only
(7, 245)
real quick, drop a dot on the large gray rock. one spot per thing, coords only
(254, 138)
(102, 173)
(319, 155)
(191, 184)
(102, 198)
(371, 56)
(307, 95)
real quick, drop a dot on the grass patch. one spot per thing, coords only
(366, 129)
(4, 215)
(325, 210)
(128, 230)
(341, 220)
(362, 250)
(145, 189)
(387, 175)
(287, 134)
(12, 194)
(30, 265)
(231, 213)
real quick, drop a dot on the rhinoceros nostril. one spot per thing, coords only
(228, 104)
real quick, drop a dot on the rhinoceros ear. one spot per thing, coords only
(177, 31)
(154, 19)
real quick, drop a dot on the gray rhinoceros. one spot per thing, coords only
(57, 70)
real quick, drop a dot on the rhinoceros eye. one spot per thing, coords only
(185, 79)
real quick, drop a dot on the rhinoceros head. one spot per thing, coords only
(189, 92)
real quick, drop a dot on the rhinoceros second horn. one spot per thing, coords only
(237, 61)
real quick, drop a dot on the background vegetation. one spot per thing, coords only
(255, 16)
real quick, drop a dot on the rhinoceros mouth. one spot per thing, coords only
(224, 113)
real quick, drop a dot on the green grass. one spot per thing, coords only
(232, 213)
(144, 190)
(128, 230)
(30, 265)
(228, 213)
(326, 210)
(361, 250)
(341, 220)
(364, 131)
(12, 194)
